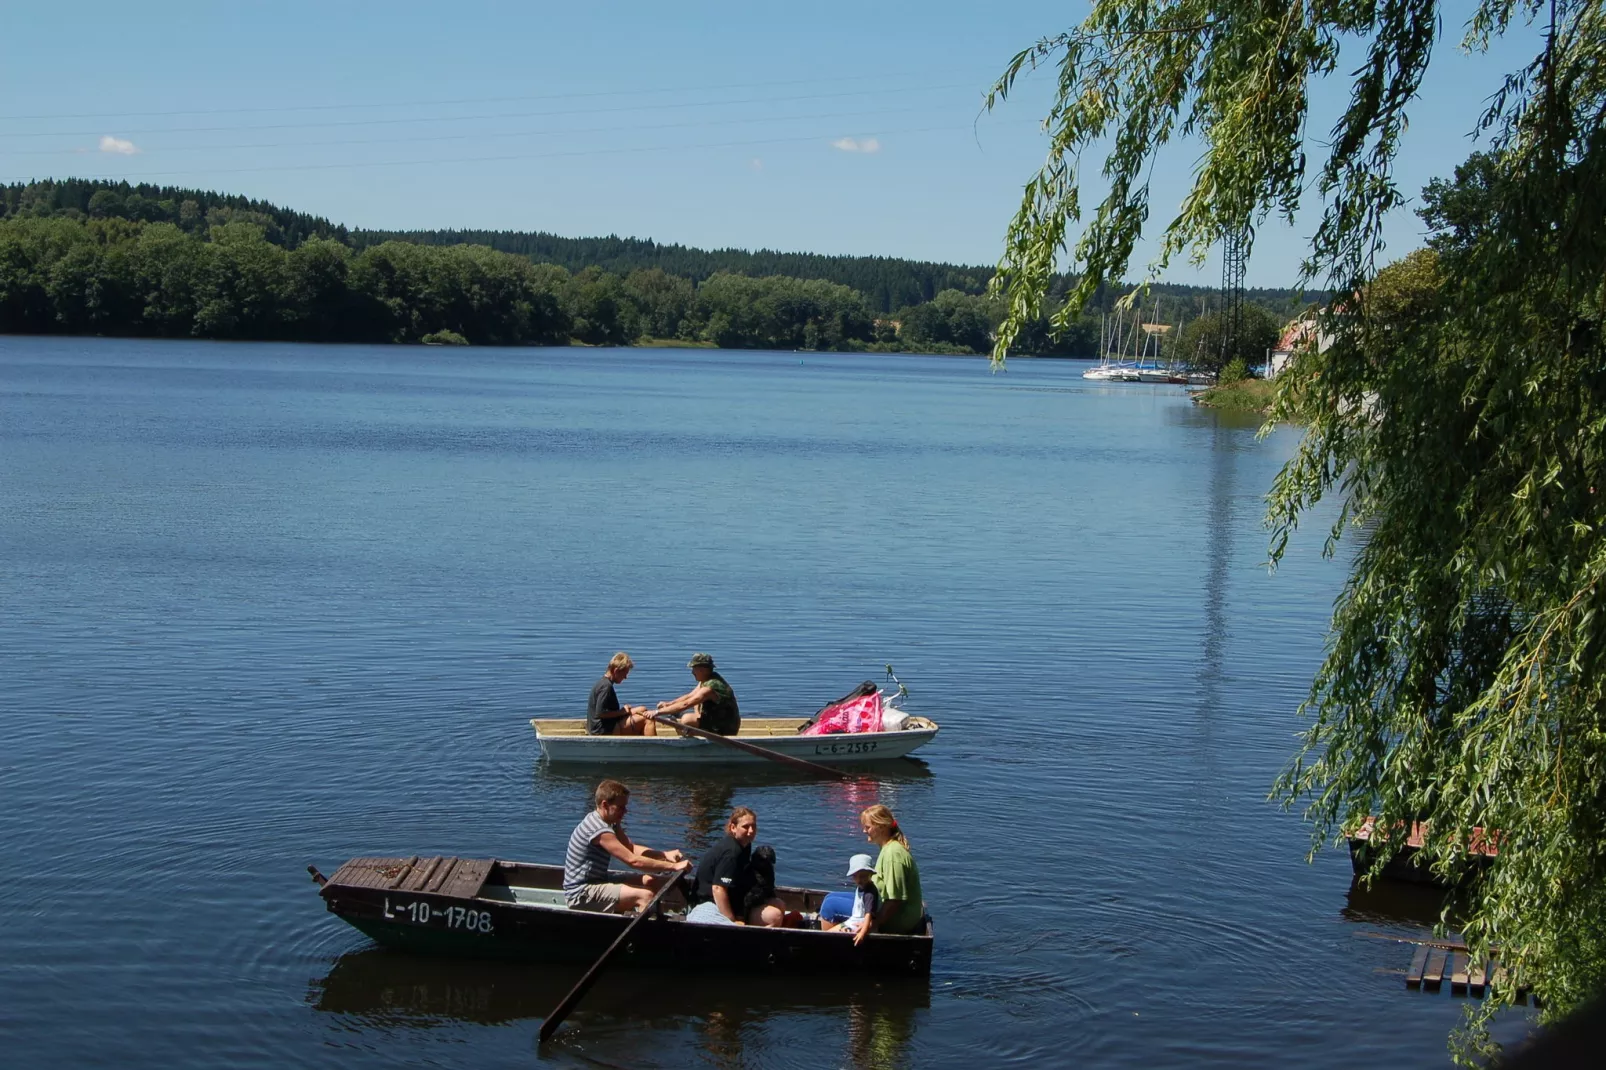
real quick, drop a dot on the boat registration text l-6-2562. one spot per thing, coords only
(421, 913)
(855, 746)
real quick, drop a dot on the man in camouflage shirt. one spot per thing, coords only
(712, 702)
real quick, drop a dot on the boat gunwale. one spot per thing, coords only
(681, 919)
(902, 733)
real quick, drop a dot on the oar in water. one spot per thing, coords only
(762, 752)
(561, 1011)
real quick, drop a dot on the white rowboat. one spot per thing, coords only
(566, 741)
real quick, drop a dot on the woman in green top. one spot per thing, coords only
(897, 878)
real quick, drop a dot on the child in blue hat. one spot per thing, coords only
(846, 911)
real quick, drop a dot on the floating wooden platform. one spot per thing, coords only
(1435, 962)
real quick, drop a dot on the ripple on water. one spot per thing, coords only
(272, 605)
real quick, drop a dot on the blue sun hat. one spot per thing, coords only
(860, 863)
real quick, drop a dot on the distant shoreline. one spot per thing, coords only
(645, 343)
(1245, 395)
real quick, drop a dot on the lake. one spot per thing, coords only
(271, 605)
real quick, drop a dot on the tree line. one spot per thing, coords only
(122, 277)
(889, 284)
(94, 257)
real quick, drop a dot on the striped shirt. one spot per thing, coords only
(586, 861)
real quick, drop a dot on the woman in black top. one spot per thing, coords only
(724, 876)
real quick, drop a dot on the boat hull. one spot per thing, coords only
(378, 897)
(1159, 375)
(566, 741)
(1407, 863)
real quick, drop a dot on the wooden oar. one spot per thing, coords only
(561, 1011)
(762, 752)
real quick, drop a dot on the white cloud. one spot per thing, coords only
(861, 144)
(756, 164)
(117, 145)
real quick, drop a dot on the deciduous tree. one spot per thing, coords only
(1458, 413)
(1202, 343)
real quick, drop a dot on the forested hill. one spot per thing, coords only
(190, 209)
(887, 283)
(95, 257)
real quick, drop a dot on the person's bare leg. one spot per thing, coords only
(770, 915)
(675, 899)
(633, 900)
(639, 888)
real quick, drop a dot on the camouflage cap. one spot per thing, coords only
(700, 659)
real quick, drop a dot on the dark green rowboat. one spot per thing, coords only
(485, 908)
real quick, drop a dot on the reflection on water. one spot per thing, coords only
(879, 1031)
(1391, 902)
(701, 800)
(382, 988)
(1220, 539)
(293, 604)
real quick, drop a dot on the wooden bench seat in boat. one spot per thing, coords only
(751, 726)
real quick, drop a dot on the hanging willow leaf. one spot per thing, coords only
(1455, 408)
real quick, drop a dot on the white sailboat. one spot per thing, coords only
(1149, 368)
(1143, 366)
(1112, 342)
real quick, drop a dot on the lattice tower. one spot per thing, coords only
(1234, 258)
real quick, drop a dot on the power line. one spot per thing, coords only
(468, 118)
(456, 100)
(490, 134)
(141, 175)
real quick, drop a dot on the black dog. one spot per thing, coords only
(760, 879)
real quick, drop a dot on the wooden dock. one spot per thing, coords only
(1483, 847)
(1435, 962)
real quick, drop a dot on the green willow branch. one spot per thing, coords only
(1453, 406)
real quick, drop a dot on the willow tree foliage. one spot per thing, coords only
(1456, 410)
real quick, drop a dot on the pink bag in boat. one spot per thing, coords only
(860, 714)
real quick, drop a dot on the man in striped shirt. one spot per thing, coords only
(601, 836)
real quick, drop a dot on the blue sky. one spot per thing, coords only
(823, 127)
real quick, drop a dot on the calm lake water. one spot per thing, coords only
(266, 605)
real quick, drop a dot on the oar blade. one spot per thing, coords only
(568, 1003)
